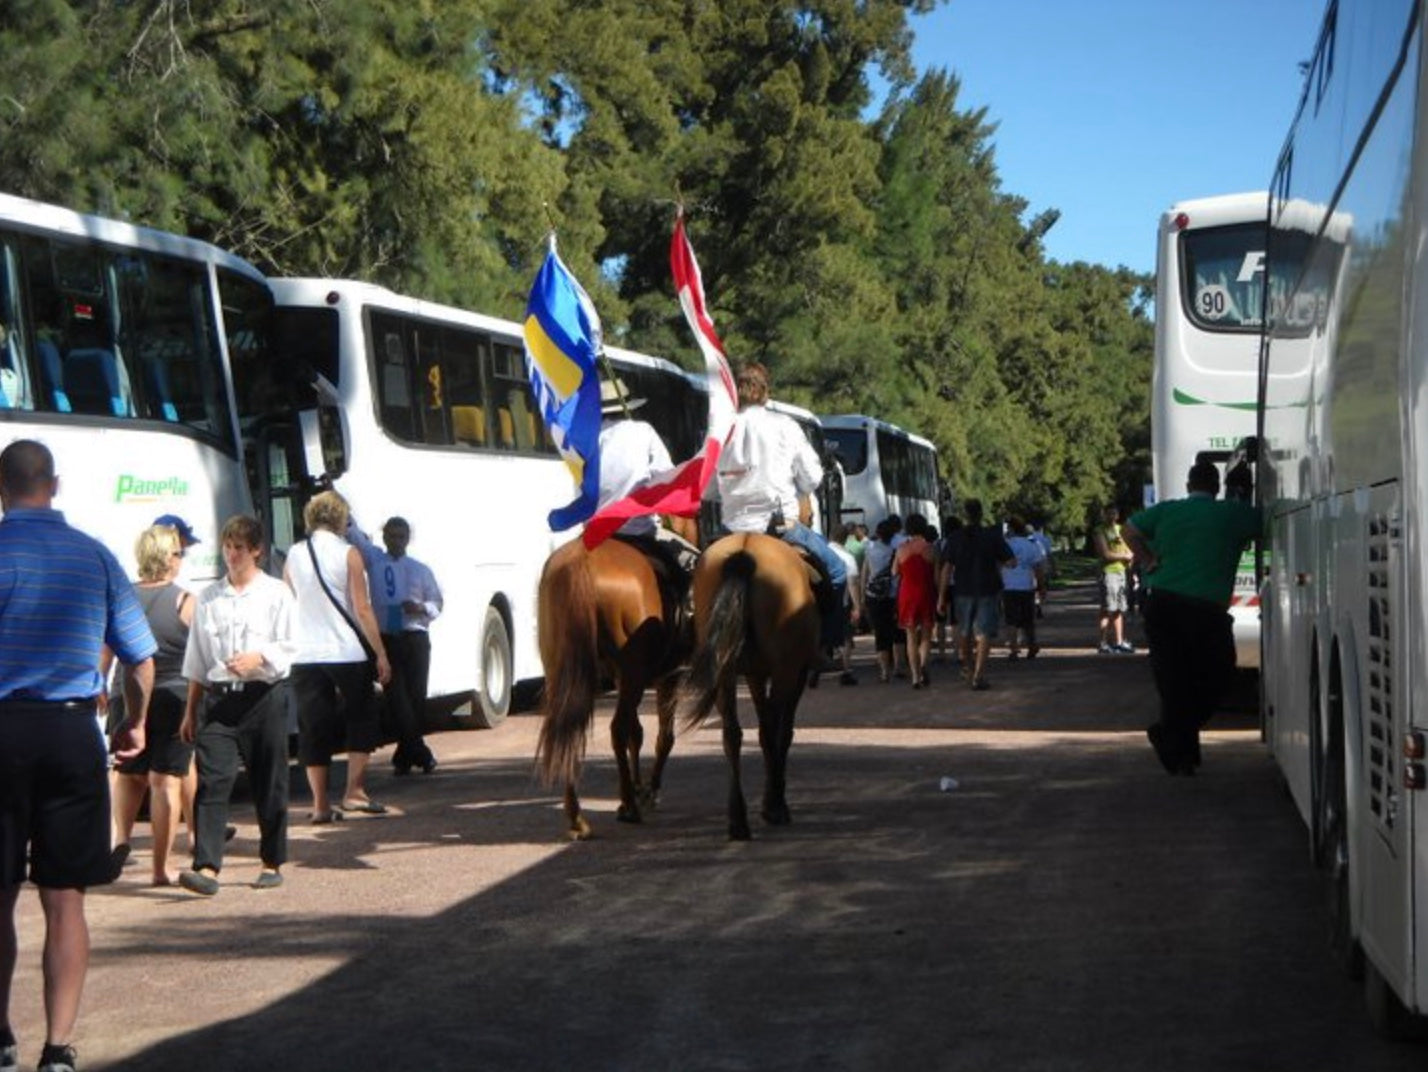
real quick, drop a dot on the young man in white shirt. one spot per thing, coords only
(239, 652)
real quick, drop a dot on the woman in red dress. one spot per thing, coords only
(916, 564)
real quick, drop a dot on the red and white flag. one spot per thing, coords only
(678, 492)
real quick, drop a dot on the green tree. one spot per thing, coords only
(310, 136)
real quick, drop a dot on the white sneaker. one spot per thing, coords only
(9, 1055)
(1126, 648)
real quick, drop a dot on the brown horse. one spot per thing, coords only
(602, 612)
(754, 614)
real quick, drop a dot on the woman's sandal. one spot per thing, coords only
(365, 807)
(322, 818)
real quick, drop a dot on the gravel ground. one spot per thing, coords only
(1064, 906)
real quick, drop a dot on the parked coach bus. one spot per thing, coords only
(886, 470)
(1343, 477)
(115, 348)
(424, 411)
(1209, 296)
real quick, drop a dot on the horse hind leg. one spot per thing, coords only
(626, 738)
(775, 739)
(667, 704)
(733, 741)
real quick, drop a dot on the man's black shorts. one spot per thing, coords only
(54, 796)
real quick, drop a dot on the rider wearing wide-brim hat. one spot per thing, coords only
(632, 454)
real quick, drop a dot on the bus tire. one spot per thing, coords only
(493, 698)
(1389, 1016)
(1333, 829)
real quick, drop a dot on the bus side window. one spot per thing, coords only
(435, 427)
(394, 379)
(463, 354)
(515, 416)
(14, 383)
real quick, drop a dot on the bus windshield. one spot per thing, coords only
(1224, 276)
(850, 446)
(110, 332)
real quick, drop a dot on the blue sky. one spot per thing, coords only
(1111, 110)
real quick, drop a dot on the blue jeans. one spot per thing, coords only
(812, 541)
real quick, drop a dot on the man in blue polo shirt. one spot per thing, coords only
(1189, 550)
(63, 596)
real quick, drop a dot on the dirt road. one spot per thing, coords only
(1066, 906)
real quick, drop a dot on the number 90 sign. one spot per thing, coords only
(1213, 302)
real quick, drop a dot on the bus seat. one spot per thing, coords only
(158, 377)
(91, 377)
(52, 370)
(468, 424)
(506, 429)
(523, 419)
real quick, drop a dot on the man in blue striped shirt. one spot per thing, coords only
(63, 596)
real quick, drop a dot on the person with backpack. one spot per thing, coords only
(880, 596)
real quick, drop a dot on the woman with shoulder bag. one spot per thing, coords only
(337, 642)
(880, 597)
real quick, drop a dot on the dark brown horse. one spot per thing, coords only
(754, 614)
(601, 612)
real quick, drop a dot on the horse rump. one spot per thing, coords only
(716, 656)
(568, 636)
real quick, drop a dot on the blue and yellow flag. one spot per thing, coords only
(562, 334)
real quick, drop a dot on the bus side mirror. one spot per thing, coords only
(324, 447)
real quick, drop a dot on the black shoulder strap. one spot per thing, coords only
(346, 617)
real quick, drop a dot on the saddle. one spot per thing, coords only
(672, 560)
(825, 596)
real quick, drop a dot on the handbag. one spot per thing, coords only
(880, 584)
(367, 648)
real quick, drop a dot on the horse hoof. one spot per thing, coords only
(579, 830)
(739, 833)
(780, 816)
(628, 815)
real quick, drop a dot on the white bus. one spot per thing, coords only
(425, 412)
(115, 348)
(885, 470)
(1209, 292)
(1343, 477)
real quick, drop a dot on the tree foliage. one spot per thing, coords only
(875, 264)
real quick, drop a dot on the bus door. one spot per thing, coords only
(290, 459)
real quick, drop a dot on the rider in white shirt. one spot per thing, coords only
(766, 467)
(632, 454)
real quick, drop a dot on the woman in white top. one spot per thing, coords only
(330, 676)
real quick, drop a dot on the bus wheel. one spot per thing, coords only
(1389, 1016)
(1333, 848)
(497, 671)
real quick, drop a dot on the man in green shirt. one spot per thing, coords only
(1189, 550)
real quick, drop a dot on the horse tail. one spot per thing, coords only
(716, 659)
(568, 634)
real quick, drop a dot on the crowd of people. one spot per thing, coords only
(954, 589)
(208, 683)
(193, 687)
